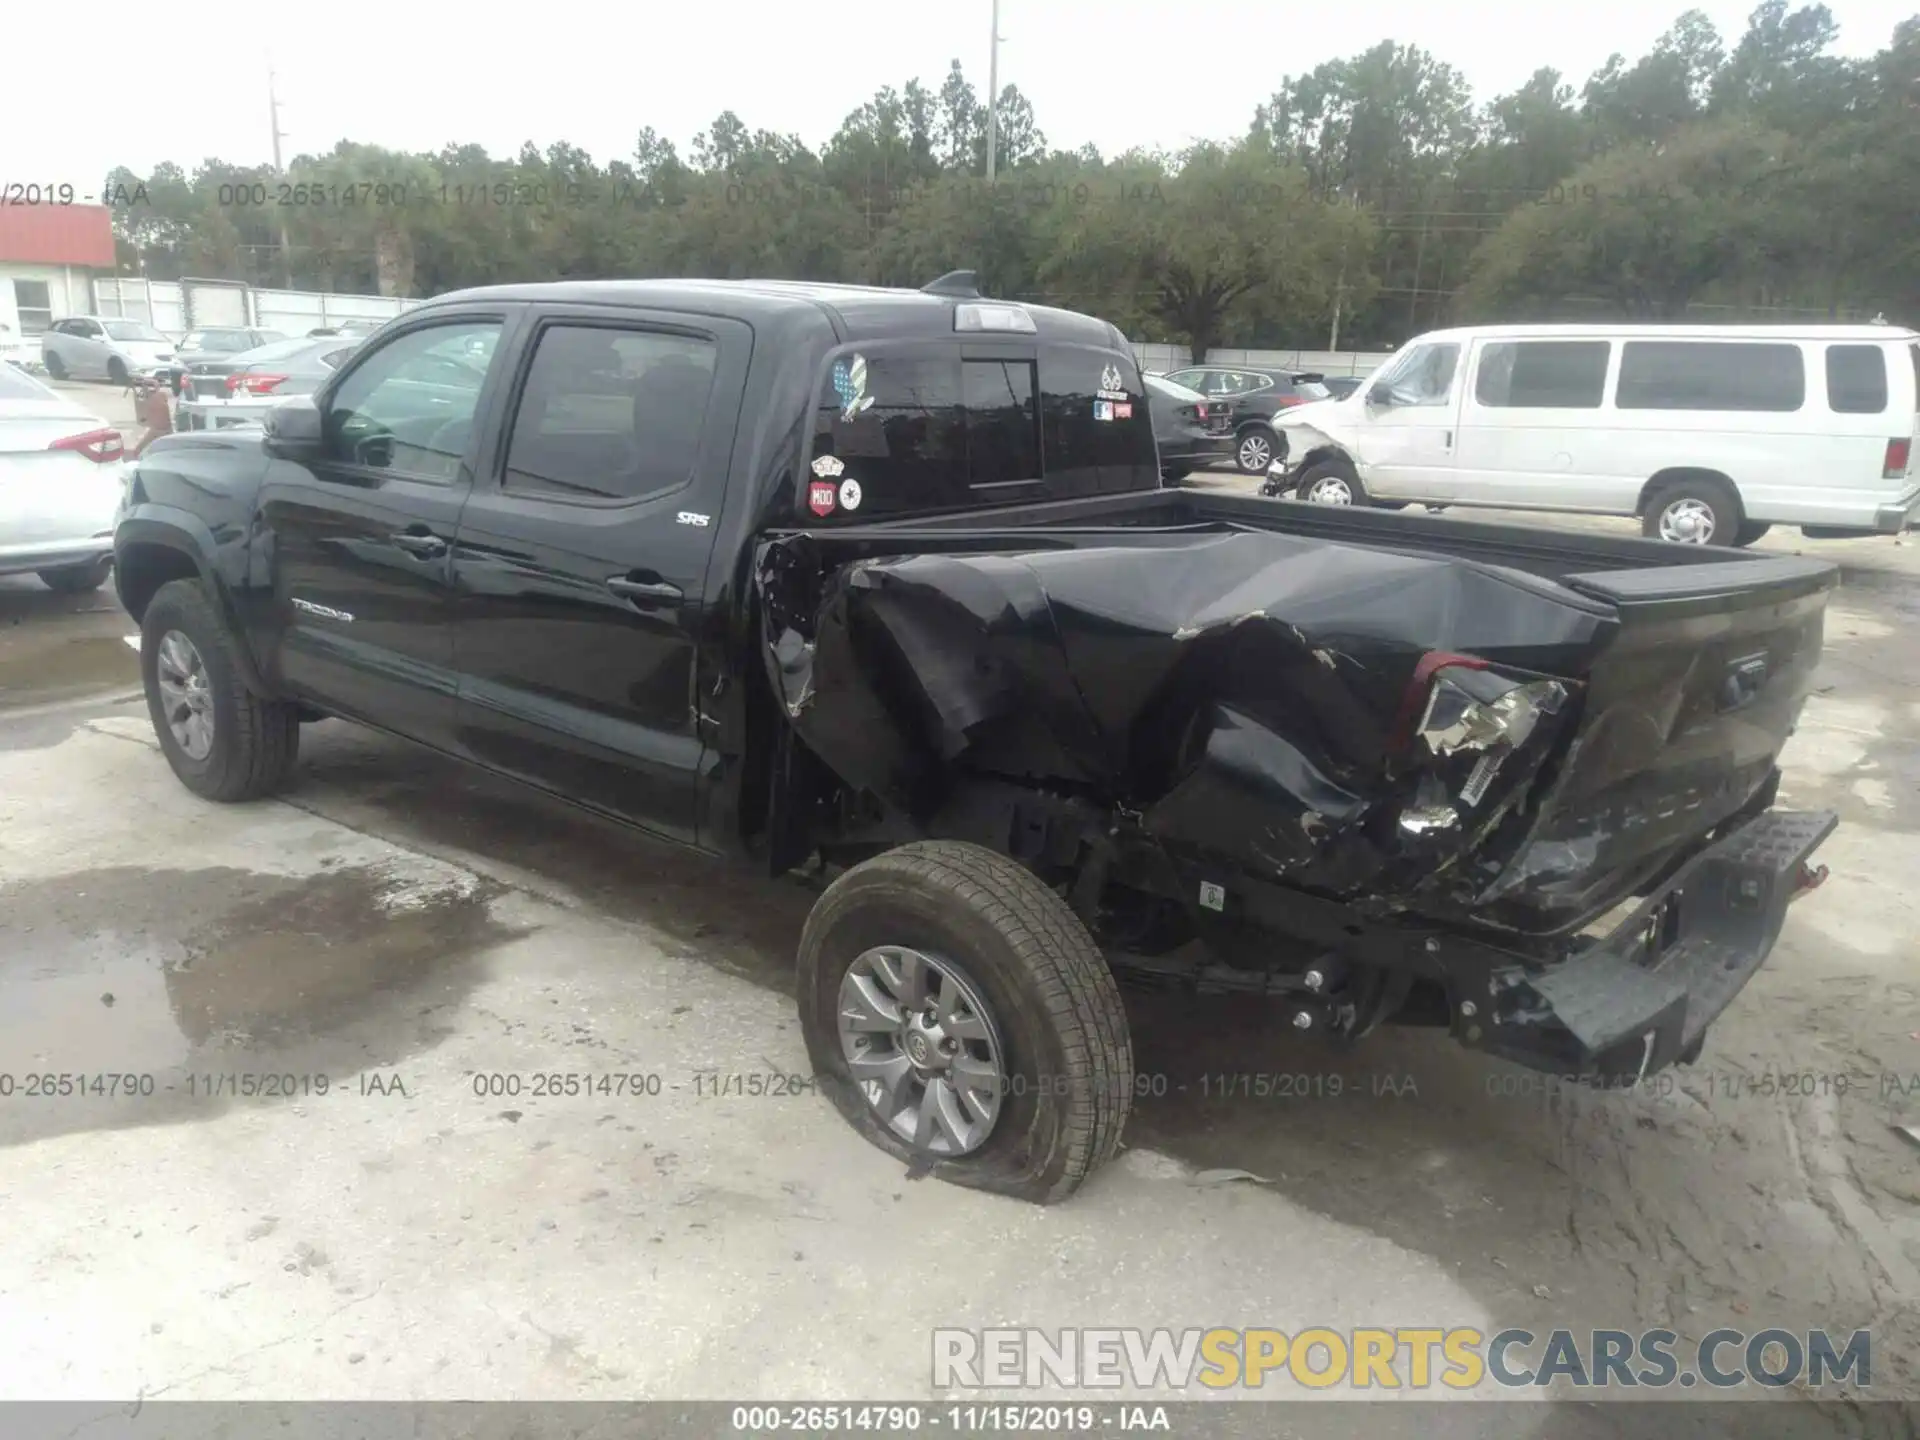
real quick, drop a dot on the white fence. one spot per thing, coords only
(174, 307)
(1157, 359)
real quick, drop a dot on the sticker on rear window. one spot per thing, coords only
(850, 384)
(849, 494)
(1110, 384)
(828, 467)
(820, 497)
(1103, 409)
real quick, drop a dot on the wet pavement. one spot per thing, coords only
(405, 1086)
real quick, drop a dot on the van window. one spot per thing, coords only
(1422, 376)
(1542, 374)
(1710, 375)
(1856, 379)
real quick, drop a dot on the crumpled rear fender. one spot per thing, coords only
(1239, 695)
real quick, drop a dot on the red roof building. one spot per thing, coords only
(57, 235)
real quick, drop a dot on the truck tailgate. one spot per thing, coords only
(1683, 717)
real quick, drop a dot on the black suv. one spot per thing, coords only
(1256, 394)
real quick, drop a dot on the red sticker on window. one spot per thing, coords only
(1122, 410)
(820, 496)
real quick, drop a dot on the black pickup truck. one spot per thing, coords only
(886, 581)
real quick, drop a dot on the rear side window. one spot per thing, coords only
(609, 414)
(1703, 375)
(1856, 379)
(1542, 374)
(910, 430)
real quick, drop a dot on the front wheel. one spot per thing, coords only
(223, 741)
(117, 370)
(961, 1018)
(1254, 452)
(1330, 483)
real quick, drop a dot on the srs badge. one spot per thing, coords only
(820, 496)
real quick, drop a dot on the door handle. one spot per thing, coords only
(416, 543)
(643, 591)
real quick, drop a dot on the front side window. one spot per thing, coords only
(1711, 375)
(409, 408)
(1856, 379)
(1542, 374)
(1423, 376)
(610, 414)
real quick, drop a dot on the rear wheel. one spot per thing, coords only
(961, 1018)
(77, 579)
(1701, 511)
(222, 740)
(56, 367)
(1253, 450)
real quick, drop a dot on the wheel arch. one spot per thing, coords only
(149, 552)
(1682, 474)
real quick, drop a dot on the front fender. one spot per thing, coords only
(153, 544)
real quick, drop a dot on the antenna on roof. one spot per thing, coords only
(960, 284)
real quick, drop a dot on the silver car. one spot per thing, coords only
(240, 389)
(103, 347)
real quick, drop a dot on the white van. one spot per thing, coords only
(1710, 434)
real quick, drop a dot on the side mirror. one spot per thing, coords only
(293, 429)
(1382, 395)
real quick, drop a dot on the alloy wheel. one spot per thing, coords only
(1256, 453)
(185, 699)
(922, 1047)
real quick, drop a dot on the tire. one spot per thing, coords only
(116, 370)
(253, 742)
(1054, 1016)
(77, 579)
(1704, 508)
(56, 367)
(1253, 449)
(1750, 531)
(1321, 481)
(1175, 474)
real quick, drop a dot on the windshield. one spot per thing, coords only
(217, 342)
(132, 330)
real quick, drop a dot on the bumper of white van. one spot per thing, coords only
(1892, 519)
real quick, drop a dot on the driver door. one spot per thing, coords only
(361, 539)
(1407, 449)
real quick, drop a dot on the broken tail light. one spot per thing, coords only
(1458, 706)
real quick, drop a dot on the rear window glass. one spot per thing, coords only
(906, 430)
(1856, 379)
(1542, 374)
(1702, 375)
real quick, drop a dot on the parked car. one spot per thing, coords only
(1257, 395)
(239, 389)
(1190, 430)
(103, 347)
(889, 578)
(61, 474)
(212, 345)
(1709, 434)
(18, 350)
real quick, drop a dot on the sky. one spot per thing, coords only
(415, 76)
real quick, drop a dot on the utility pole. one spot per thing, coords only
(993, 93)
(273, 121)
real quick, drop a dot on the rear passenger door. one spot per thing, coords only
(580, 566)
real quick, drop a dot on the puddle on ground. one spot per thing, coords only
(165, 973)
(44, 667)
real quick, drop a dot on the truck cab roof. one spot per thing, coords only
(857, 312)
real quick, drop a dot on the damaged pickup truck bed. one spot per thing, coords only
(943, 628)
